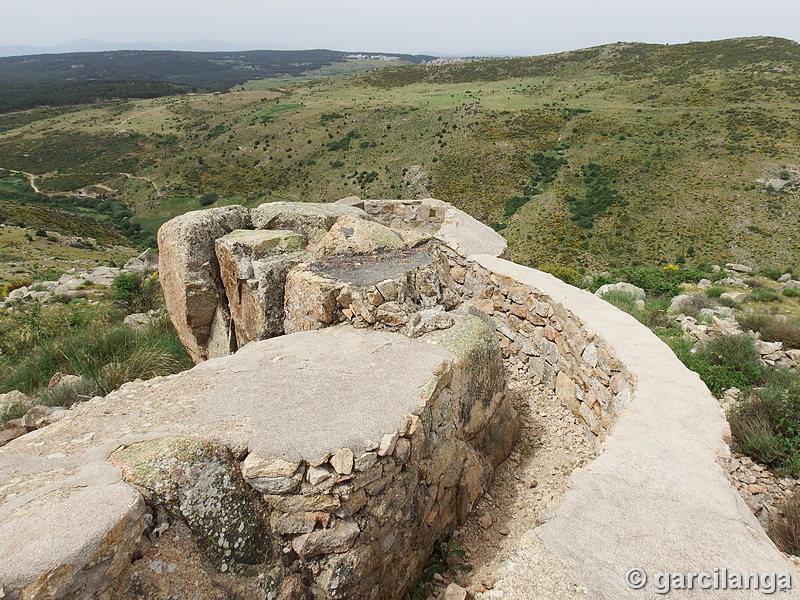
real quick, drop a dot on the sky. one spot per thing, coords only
(457, 27)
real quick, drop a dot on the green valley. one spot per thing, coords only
(620, 155)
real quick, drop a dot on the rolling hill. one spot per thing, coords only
(625, 154)
(83, 77)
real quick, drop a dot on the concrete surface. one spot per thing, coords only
(60, 497)
(656, 499)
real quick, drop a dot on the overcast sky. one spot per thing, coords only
(487, 27)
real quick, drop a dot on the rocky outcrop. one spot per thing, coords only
(253, 267)
(189, 273)
(317, 464)
(227, 282)
(387, 289)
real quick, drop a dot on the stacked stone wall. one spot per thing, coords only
(359, 522)
(551, 344)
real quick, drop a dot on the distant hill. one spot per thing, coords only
(625, 154)
(60, 79)
(99, 46)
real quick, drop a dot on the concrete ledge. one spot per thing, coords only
(356, 449)
(657, 498)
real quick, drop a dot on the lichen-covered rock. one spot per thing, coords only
(312, 220)
(189, 273)
(253, 266)
(356, 235)
(201, 483)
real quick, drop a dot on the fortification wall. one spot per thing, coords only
(286, 470)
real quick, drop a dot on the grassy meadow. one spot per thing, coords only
(628, 154)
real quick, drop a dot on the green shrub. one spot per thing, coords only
(661, 282)
(207, 199)
(791, 292)
(136, 291)
(715, 291)
(773, 328)
(565, 274)
(763, 295)
(15, 285)
(770, 273)
(766, 423)
(729, 303)
(514, 204)
(723, 362)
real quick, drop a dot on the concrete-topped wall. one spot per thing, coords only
(321, 464)
(245, 486)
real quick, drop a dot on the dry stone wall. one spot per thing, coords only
(553, 346)
(360, 420)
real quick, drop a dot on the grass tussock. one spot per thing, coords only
(80, 339)
(773, 328)
(785, 529)
(766, 422)
(761, 294)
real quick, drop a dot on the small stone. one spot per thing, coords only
(458, 273)
(39, 416)
(402, 451)
(342, 461)
(589, 354)
(489, 581)
(754, 488)
(504, 530)
(10, 433)
(365, 461)
(533, 483)
(317, 475)
(454, 592)
(277, 485)
(337, 539)
(254, 466)
(388, 289)
(387, 444)
(733, 297)
(617, 383)
(485, 521)
(484, 305)
(294, 523)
